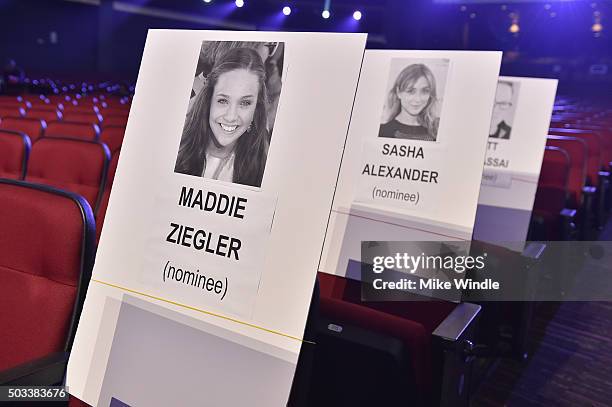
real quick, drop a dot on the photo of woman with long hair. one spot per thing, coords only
(225, 136)
(411, 106)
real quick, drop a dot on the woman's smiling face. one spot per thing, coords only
(414, 99)
(232, 106)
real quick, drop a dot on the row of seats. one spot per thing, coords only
(573, 195)
(35, 129)
(82, 167)
(407, 358)
(48, 250)
(67, 102)
(72, 113)
(48, 187)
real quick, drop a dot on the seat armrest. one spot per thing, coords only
(590, 193)
(568, 213)
(46, 371)
(534, 250)
(568, 223)
(457, 322)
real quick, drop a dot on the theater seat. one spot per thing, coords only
(75, 130)
(33, 128)
(581, 197)
(551, 220)
(112, 136)
(83, 117)
(367, 357)
(112, 168)
(73, 165)
(14, 152)
(46, 256)
(44, 114)
(75, 402)
(11, 111)
(406, 345)
(115, 120)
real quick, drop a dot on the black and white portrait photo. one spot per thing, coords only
(413, 101)
(231, 113)
(504, 108)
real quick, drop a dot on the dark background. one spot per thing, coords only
(105, 39)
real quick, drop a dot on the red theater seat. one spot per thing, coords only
(391, 338)
(112, 136)
(47, 115)
(81, 117)
(11, 111)
(33, 128)
(46, 247)
(14, 151)
(75, 107)
(112, 168)
(73, 165)
(115, 120)
(578, 153)
(551, 197)
(605, 135)
(75, 402)
(594, 148)
(12, 102)
(80, 131)
(369, 344)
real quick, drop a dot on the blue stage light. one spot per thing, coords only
(325, 14)
(286, 10)
(239, 3)
(357, 15)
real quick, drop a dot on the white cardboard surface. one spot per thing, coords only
(446, 209)
(319, 83)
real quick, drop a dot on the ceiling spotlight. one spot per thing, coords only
(207, 1)
(325, 14)
(357, 15)
(239, 3)
(286, 10)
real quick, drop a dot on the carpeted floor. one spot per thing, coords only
(570, 363)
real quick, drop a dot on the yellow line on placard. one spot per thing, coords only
(203, 311)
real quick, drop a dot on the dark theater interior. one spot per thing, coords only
(68, 81)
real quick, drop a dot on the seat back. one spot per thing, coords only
(112, 136)
(362, 355)
(555, 168)
(115, 120)
(101, 213)
(83, 117)
(11, 111)
(74, 130)
(47, 115)
(33, 128)
(14, 152)
(73, 165)
(594, 147)
(46, 252)
(578, 153)
(605, 136)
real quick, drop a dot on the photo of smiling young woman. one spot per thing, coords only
(227, 132)
(413, 100)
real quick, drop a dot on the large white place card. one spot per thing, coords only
(214, 229)
(517, 137)
(413, 161)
